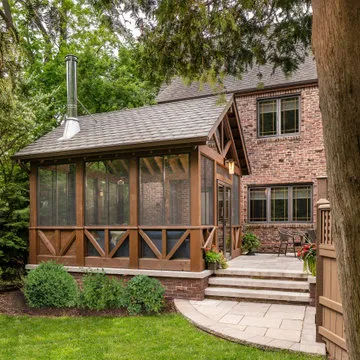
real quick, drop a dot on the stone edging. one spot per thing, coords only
(133, 272)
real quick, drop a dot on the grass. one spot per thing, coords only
(145, 337)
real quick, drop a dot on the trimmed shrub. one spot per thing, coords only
(144, 295)
(100, 292)
(50, 285)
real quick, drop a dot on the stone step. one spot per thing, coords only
(263, 274)
(242, 282)
(257, 295)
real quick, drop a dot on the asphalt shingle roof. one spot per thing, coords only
(177, 90)
(187, 120)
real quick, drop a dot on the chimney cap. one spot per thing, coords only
(70, 57)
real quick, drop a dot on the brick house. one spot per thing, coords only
(286, 160)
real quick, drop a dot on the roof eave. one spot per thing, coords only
(112, 148)
(302, 83)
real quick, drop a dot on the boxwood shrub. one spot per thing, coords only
(144, 295)
(100, 292)
(50, 285)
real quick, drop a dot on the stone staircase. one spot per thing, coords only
(260, 285)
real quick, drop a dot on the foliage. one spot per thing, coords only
(100, 292)
(307, 254)
(50, 285)
(144, 295)
(250, 242)
(131, 338)
(22, 113)
(35, 36)
(213, 255)
(207, 40)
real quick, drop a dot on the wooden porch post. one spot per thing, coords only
(80, 242)
(134, 219)
(33, 215)
(196, 259)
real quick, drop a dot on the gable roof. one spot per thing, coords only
(188, 122)
(177, 90)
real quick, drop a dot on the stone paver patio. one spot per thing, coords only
(267, 262)
(264, 325)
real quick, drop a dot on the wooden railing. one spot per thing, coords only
(329, 315)
(142, 247)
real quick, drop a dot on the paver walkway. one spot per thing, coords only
(264, 325)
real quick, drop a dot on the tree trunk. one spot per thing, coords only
(336, 44)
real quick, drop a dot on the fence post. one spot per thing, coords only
(320, 205)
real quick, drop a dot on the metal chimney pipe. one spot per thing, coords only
(72, 126)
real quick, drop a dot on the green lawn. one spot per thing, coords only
(161, 337)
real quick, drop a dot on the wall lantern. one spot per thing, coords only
(231, 165)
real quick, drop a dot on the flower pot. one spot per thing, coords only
(213, 266)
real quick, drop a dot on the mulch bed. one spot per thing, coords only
(13, 303)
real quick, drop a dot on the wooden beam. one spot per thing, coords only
(184, 161)
(33, 248)
(226, 149)
(177, 245)
(159, 163)
(124, 164)
(196, 258)
(57, 236)
(80, 213)
(134, 220)
(47, 243)
(119, 243)
(217, 142)
(68, 244)
(210, 238)
(153, 248)
(148, 165)
(228, 130)
(163, 244)
(94, 243)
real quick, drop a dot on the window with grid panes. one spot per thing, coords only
(288, 203)
(278, 116)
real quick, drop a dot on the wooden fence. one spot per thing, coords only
(329, 318)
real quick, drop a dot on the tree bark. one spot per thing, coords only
(336, 45)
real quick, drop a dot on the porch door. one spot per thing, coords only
(224, 218)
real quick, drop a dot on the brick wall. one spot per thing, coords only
(180, 288)
(284, 160)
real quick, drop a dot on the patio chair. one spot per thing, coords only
(289, 238)
(308, 236)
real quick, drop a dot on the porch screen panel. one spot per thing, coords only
(177, 190)
(56, 195)
(152, 190)
(107, 192)
(165, 190)
(235, 200)
(207, 191)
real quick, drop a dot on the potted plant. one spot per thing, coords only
(308, 255)
(215, 259)
(250, 243)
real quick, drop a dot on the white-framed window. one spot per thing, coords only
(280, 116)
(281, 203)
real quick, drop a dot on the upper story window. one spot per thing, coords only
(289, 203)
(278, 117)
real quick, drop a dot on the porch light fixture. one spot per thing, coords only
(231, 165)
